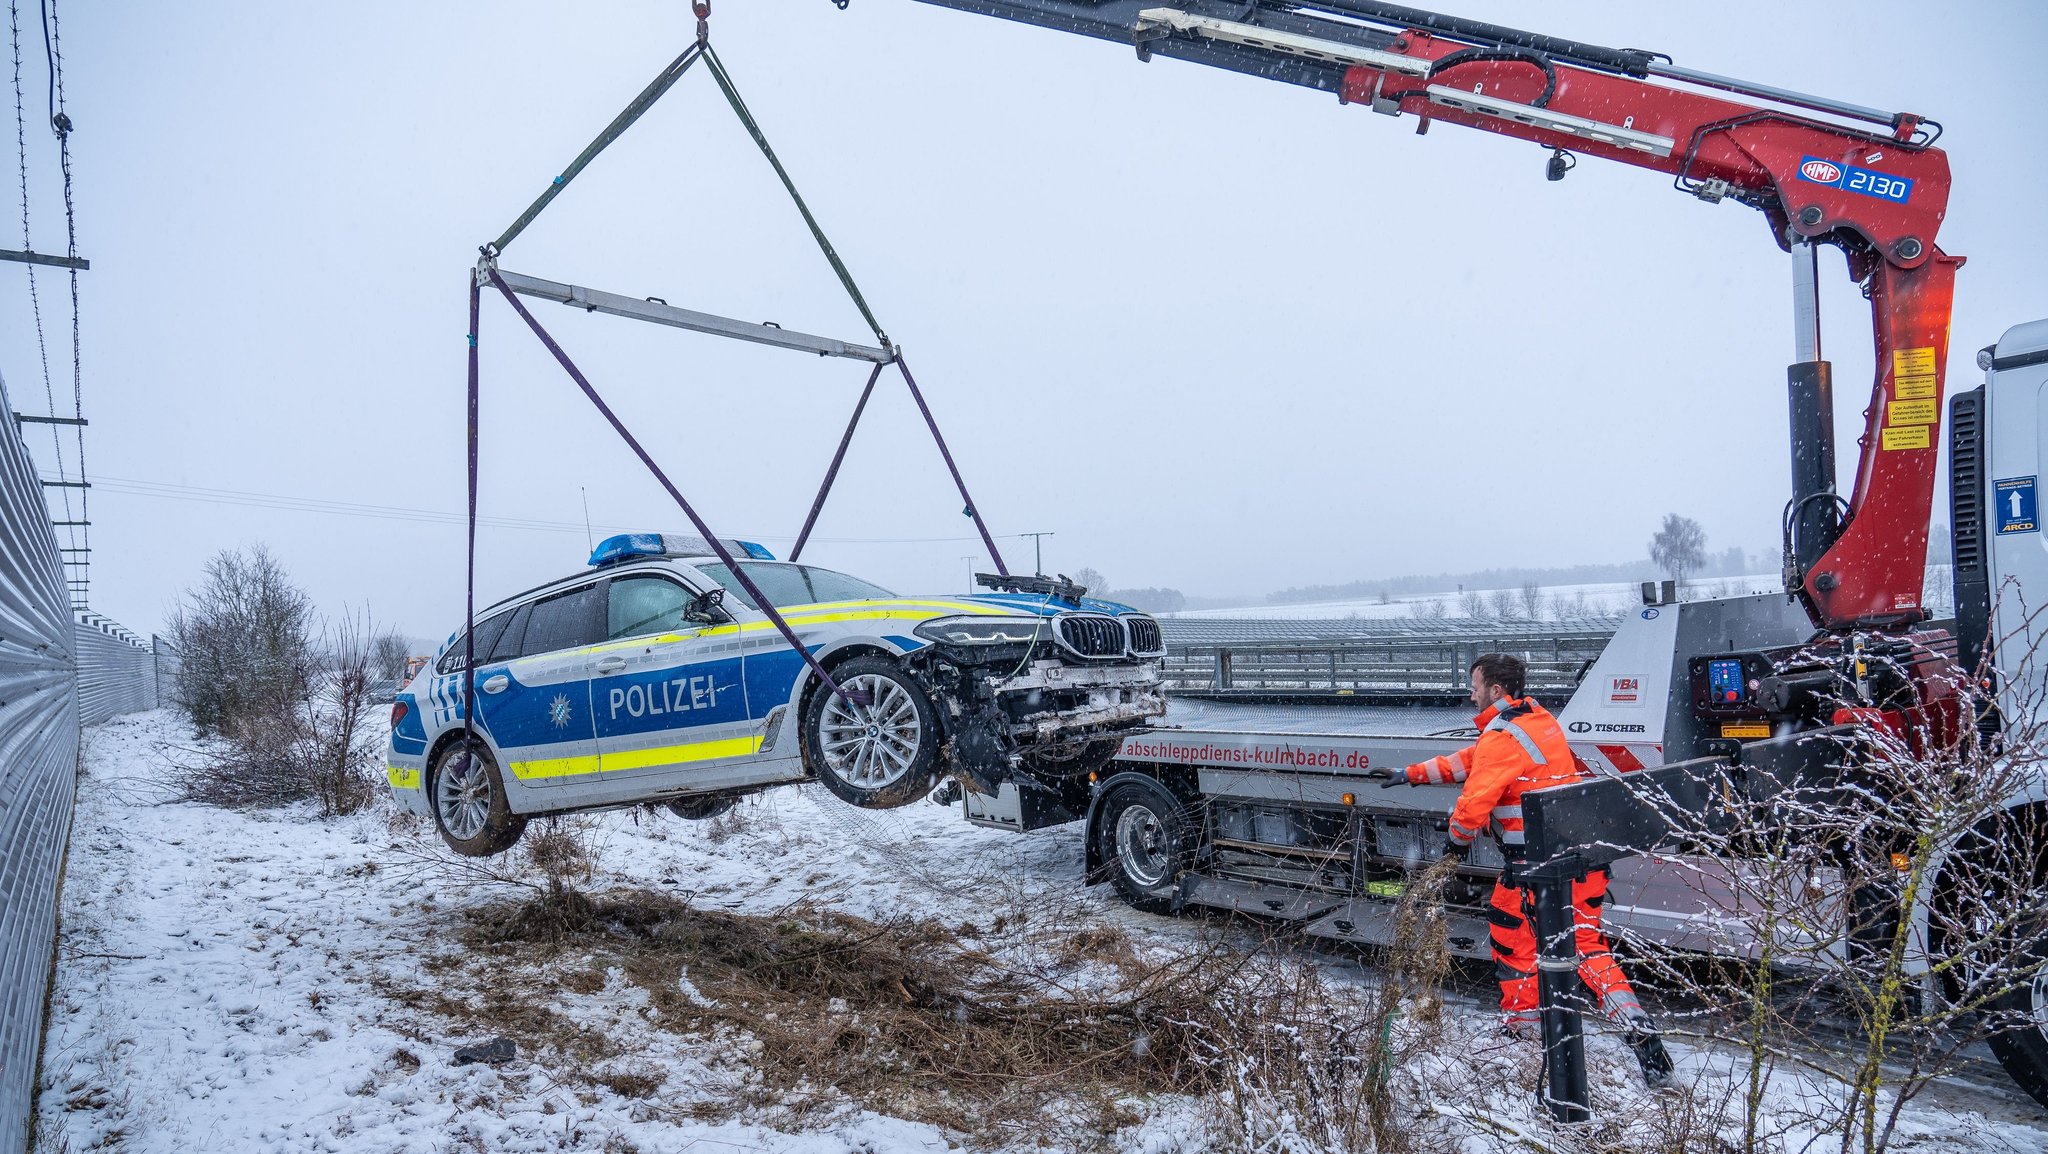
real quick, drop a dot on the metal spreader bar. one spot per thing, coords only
(639, 309)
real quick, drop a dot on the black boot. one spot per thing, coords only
(1641, 1035)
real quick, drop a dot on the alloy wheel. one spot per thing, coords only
(873, 745)
(1141, 846)
(462, 796)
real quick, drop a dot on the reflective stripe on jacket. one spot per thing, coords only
(1521, 746)
(1451, 768)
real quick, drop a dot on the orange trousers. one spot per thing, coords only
(1514, 951)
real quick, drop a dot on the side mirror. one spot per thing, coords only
(707, 607)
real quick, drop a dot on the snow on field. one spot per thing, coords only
(274, 982)
(1603, 599)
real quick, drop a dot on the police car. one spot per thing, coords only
(653, 677)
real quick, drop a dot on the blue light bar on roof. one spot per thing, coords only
(628, 546)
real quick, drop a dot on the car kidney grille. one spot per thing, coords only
(1093, 636)
(1145, 635)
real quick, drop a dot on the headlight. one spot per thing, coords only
(984, 630)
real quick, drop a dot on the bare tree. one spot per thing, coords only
(1470, 604)
(1891, 883)
(285, 711)
(388, 655)
(1680, 547)
(1504, 603)
(1532, 601)
(338, 751)
(1429, 609)
(245, 634)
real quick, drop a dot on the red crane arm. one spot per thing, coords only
(1877, 194)
(1881, 198)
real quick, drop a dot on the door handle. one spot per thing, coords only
(611, 664)
(495, 683)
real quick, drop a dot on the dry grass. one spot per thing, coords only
(911, 1018)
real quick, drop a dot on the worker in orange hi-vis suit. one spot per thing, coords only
(1521, 746)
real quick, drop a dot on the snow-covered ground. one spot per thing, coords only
(275, 982)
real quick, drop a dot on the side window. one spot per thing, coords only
(827, 585)
(565, 621)
(487, 633)
(506, 647)
(643, 605)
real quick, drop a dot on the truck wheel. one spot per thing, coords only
(470, 807)
(1145, 837)
(879, 755)
(2023, 1047)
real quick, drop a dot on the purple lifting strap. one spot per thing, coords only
(973, 510)
(703, 530)
(832, 473)
(469, 610)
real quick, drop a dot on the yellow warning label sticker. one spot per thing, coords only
(1914, 388)
(1911, 413)
(1913, 362)
(1907, 437)
(1745, 729)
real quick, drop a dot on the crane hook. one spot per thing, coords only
(703, 10)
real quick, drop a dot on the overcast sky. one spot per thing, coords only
(1214, 333)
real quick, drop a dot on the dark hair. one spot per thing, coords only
(1502, 669)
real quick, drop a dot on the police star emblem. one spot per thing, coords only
(558, 711)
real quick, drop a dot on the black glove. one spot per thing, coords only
(1458, 850)
(1388, 778)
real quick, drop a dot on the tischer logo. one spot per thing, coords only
(1580, 727)
(1821, 172)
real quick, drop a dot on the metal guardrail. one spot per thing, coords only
(38, 767)
(57, 672)
(1262, 630)
(1376, 670)
(117, 671)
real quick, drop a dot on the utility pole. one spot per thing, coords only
(969, 561)
(1037, 551)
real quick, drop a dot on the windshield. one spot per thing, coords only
(787, 585)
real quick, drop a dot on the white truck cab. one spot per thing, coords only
(1999, 443)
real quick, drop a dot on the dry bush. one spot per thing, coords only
(302, 738)
(905, 1017)
(1893, 899)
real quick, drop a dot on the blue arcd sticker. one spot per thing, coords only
(2016, 506)
(1866, 181)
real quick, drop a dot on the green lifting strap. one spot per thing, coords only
(632, 112)
(739, 108)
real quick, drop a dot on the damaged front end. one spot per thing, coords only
(1039, 702)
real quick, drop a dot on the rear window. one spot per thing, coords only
(487, 633)
(787, 585)
(506, 647)
(564, 621)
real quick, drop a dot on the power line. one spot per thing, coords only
(136, 487)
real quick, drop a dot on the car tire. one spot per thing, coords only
(2023, 1048)
(470, 807)
(876, 756)
(1144, 836)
